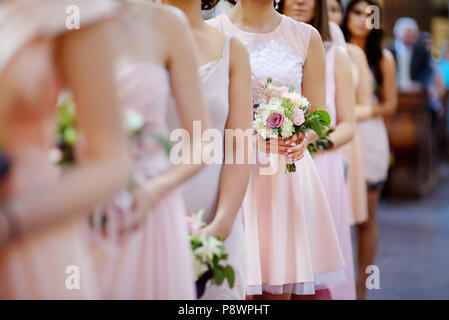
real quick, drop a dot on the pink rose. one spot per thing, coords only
(192, 226)
(275, 120)
(280, 91)
(298, 117)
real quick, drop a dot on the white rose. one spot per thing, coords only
(133, 122)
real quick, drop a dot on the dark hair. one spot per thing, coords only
(320, 19)
(208, 4)
(373, 50)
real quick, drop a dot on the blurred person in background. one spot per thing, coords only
(444, 69)
(43, 211)
(435, 87)
(373, 133)
(413, 60)
(444, 65)
(335, 9)
(221, 6)
(148, 254)
(224, 69)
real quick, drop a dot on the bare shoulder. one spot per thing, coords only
(387, 61)
(341, 55)
(387, 56)
(355, 51)
(169, 20)
(238, 48)
(315, 42)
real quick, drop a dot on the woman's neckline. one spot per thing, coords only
(254, 35)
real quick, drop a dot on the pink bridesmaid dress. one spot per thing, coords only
(215, 80)
(34, 266)
(291, 239)
(331, 170)
(155, 261)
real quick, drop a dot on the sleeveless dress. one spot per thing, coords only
(155, 261)
(331, 171)
(291, 238)
(375, 147)
(201, 192)
(34, 266)
(356, 182)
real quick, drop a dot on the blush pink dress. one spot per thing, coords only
(331, 171)
(292, 242)
(155, 261)
(34, 266)
(215, 80)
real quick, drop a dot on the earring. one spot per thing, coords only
(276, 6)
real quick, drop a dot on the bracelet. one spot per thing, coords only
(11, 222)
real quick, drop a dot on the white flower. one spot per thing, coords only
(287, 128)
(133, 122)
(199, 267)
(211, 247)
(295, 98)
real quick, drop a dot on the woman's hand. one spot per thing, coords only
(293, 148)
(217, 230)
(145, 200)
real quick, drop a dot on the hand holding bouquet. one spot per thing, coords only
(285, 114)
(207, 251)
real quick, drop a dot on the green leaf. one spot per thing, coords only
(323, 117)
(219, 275)
(230, 275)
(316, 126)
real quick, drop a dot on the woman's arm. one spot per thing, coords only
(344, 99)
(364, 90)
(187, 92)
(86, 65)
(314, 76)
(235, 176)
(389, 90)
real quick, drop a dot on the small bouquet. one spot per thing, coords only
(286, 113)
(207, 252)
(64, 153)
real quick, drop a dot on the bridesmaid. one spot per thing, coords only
(340, 104)
(335, 10)
(351, 152)
(42, 216)
(372, 129)
(292, 243)
(225, 73)
(153, 259)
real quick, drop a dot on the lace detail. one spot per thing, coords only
(279, 55)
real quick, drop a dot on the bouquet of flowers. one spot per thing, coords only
(207, 252)
(286, 113)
